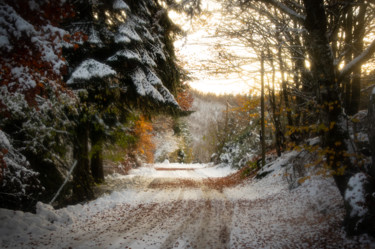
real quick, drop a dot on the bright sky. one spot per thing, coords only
(198, 47)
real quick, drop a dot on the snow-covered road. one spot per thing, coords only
(170, 206)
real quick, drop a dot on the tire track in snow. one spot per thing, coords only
(207, 226)
(172, 215)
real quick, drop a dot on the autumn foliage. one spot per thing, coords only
(185, 100)
(32, 60)
(144, 146)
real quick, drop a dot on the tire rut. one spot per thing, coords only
(207, 226)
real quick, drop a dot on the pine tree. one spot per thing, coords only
(124, 63)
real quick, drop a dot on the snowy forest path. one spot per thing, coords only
(175, 208)
(199, 223)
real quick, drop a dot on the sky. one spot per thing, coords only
(198, 47)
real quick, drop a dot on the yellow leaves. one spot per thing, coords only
(322, 127)
(332, 125)
(355, 120)
(303, 179)
(341, 170)
(338, 143)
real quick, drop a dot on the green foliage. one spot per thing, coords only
(122, 139)
(249, 168)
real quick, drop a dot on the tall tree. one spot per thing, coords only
(335, 138)
(126, 62)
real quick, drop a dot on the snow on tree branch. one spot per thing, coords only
(365, 55)
(284, 8)
(148, 84)
(120, 5)
(89, 69)
(18, 183)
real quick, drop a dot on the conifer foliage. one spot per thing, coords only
(72, 72)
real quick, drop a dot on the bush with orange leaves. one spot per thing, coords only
(185, 100)
(143, 131)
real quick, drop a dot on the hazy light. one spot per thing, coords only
(197, 49)
(220, 86)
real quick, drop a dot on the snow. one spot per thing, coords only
(4, 41)
(357, 60)
(158, 50)
(121, 38)
(24, 77)
(176, 170)
(4, 141)
(288, 10)
(17, 180)
(256, 214)
(33, 5)
(267, 186)
(128, 30)
(168, 97)
(94, 37)
(355, 195)
(147, 34)
(164, 148)
(151, 85)
(89, 69)
(126, 53)
(153, 79)
(143, 87)
(45, 39)
(120, 4)
(146, 59)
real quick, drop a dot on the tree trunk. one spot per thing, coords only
(82, 180)
(356, 91)
(348, 29)
(279, 137)
(97, 157)
(358, 34)
(284, 91)
(262, 123)
(335, 138)
(371, 131)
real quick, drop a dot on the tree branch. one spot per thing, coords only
(282, 7)
(360, 59)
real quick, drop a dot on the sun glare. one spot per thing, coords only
(197, 51)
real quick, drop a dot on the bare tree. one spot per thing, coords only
(319, 22)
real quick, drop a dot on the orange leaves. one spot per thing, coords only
(67, 38)
(35, 61)
(185, 100)
(145, 146)
(75, 39)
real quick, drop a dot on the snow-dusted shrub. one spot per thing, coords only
(236, 154)
(19, 185)
(39, 129)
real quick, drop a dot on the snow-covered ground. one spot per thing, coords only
(255, 214)
(176, 170)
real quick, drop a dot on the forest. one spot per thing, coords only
(95, 99)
